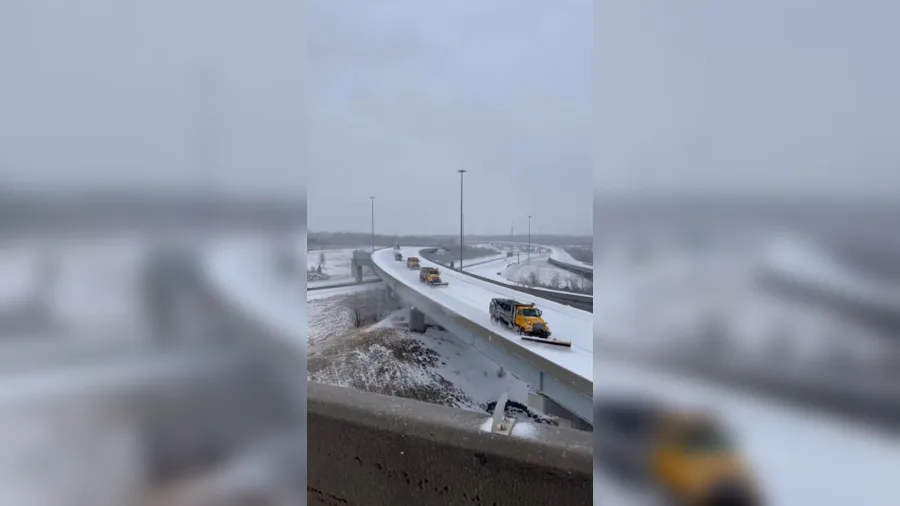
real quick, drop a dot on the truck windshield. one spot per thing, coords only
(530, 312)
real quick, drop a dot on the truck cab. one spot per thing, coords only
(412, 262)
(398, 256)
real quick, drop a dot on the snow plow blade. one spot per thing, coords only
(547, 340)
(442, 283)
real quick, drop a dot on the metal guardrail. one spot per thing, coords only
(342, 285)
(564, 387)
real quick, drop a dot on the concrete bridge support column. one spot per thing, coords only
(566, 417)
(416, 320)
(356, 270)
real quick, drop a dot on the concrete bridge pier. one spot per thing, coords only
(416, 320)
(356, 270)
(359, 260)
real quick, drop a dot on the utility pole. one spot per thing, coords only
(373, 223)
(461, 172)
(529, 239)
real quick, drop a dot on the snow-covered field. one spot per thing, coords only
(335, 265)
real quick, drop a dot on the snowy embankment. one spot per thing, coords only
(335, 265)
(382, 356)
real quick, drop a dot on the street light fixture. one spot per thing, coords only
(461, 172)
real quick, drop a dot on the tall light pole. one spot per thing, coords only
(373, 223)
(461, 172)
(529, 239)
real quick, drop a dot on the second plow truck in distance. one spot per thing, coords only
(525, 319)
(431, 276)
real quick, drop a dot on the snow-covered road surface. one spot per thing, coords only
(471, 298)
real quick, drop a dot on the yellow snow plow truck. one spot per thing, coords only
(431, 276)
(685, 456)
(525, 319)
(412, 262)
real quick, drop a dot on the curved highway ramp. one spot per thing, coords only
(563, 375)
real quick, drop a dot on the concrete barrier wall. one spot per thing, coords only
(588, 273)
(369, 449)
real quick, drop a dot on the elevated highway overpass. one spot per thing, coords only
(564, 376)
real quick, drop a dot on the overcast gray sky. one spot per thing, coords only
(403, 93)
(765, 96)
(102, 92)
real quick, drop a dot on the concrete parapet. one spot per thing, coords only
(370, 449)
(582, 271)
